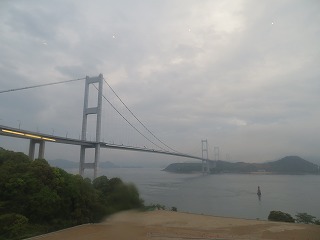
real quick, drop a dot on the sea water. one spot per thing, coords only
(228, 195)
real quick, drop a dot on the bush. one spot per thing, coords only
(305, 218)
(280, 217)
(153, 207)
(12, 225)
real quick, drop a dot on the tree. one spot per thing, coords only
(116, 195)
(6, 155)
(280, 216)
(49, 198)
(174, 209)
(304, 218)
(101, 184)
(12, 225)
(124, 196)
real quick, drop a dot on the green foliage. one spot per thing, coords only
(153, 207)
(174, 209)
(101, 183)
(13, 156)
(12, 225)
(160, 207)
(116, 195)
(305, 218)
(300, 218)
(49, 198)
(280, 216)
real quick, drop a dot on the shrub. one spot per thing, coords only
(305, 218)
(12, 225)
(174, 209)
(153, 207)
(280, 216)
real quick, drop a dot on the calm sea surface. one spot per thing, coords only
(230, 195)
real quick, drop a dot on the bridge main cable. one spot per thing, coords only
(42, 85)
(128, 121)
(137, 118)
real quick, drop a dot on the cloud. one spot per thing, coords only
(242, 74)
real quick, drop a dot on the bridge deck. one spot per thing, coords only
(20, 133)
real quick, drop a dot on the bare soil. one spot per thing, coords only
(165, 225)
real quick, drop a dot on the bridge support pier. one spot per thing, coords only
(86, 111)
(32, 147)
(208, 166)
(91, 165)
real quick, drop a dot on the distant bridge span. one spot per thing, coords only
(37, 137)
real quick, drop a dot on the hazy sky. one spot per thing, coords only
(242, 74)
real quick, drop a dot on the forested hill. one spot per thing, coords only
(291, 164)
(36, 198)
(286, 165)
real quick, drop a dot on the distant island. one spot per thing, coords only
(286, 165)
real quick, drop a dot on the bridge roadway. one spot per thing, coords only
(41, 137)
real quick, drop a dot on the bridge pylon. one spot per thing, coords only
(204, 145)
(88, 111)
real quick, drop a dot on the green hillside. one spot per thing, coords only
(36, 198)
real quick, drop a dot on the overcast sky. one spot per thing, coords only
(242, 74)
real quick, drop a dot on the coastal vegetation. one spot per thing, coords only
(279, 216)
(36, 198)
(286, 165)
(305, 218)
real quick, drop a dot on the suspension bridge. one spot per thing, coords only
(96, 144)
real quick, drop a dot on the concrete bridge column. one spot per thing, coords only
(32, 147)
(41, 149)
(82, 159)
(208, 166)
(96, 160)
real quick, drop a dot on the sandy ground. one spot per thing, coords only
(165, 225)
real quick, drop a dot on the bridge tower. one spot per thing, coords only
(216, 154)
(86, 111)
(205, 155)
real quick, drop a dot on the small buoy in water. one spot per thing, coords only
(259, 191)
